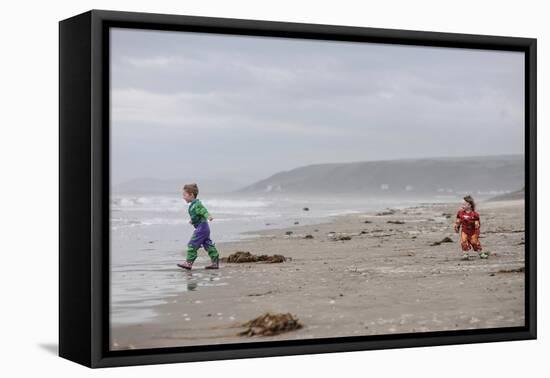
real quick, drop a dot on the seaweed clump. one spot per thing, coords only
(247, 257)
(339, 237)
(446, 239)
(270, 324)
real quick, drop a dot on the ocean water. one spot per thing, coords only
(149, 235)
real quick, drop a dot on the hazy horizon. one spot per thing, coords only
(266, 175)
(495, 173)
(240, 108)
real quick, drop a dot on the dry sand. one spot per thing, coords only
(386, 279)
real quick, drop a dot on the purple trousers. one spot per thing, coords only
(201, 238)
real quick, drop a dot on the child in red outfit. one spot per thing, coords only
(468, 219)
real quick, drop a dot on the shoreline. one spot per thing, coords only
(386, 279)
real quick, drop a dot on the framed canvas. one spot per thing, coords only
(238, 188)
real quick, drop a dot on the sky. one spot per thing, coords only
(210, 106)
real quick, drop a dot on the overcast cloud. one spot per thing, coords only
(236, 107)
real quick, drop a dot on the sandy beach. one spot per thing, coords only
(387, 278)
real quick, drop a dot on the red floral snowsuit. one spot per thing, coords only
(469, 236)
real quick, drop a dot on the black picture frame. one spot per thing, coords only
(84, 187)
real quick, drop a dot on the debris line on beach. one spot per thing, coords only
(388, 212)
(446, 239)
(502, 230)
(270, 324)
(517, 270)
(247, 257)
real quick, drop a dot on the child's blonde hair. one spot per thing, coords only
(191, 188)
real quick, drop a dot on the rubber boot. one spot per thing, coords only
(186, 265)
(214, 265)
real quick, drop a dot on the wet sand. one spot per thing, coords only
(386, 279)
